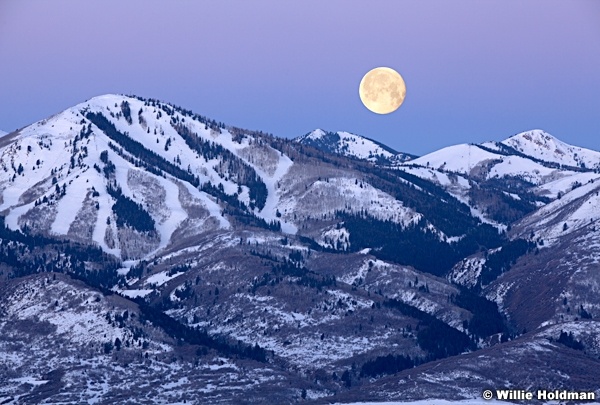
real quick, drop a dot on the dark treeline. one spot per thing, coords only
(136, 149)
(292, 266)
(434, 336)
(305, 276)
(170, 110)
(569, 340)
(195, 336)
(506, 150)
(7, 235)
(236, 168)
(128, 212)
(29, 254)
(501, 207)
(386, 365)
(325, 142)
(126, 110)
(155, 164)
(415, 245)
(486, 319)
(17, 251)
(501, 261)
(440, 208)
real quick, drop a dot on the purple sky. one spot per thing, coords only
(475, 70)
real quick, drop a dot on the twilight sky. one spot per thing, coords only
(474, 70)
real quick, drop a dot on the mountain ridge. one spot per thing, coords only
(309, 266)
(538, 143)
(352, 145)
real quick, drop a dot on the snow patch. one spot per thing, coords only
(159, 279)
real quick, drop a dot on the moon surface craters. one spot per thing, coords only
(382, 90)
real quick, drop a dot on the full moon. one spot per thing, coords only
(382, 90)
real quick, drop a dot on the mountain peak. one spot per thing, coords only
(541, 145)
(313, 135)
(108, 96)
(108, 99)
(536, 136)
(162, 204)
(349, 144)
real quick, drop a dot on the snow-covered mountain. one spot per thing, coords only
(63, 175)
(70, 343)
(2, 133)
(291, 268)
(541, 145)
(524, 359)
(492, 176)
(551, 208)
(520, 156)
(347, 144)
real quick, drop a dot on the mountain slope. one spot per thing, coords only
(502, 183)
(158, 189)
(562, 272)
(64, 342)
(100, 173)
(543, 146)
(537, 361)
(69, 164)
(347, 144)
(312, 265)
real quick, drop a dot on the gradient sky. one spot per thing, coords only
(475, 70)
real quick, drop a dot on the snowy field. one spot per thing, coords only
(446, 402)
